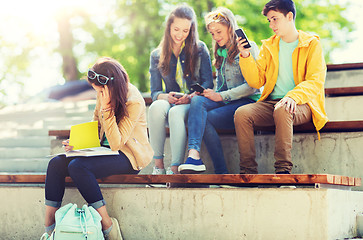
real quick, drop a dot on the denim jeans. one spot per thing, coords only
(84, 171)
(162, 113)
(205, 116)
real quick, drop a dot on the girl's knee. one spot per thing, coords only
(56, 162)
(74, 167)
(197, 100)
(158, 110)
(177, 113)
(159, 105)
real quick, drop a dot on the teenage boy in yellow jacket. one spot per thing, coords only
(292, 69)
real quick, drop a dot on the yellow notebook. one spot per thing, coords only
(84, 135)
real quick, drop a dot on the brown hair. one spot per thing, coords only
(282, 6)
(191, 42)
(118, 86)
(224, 16)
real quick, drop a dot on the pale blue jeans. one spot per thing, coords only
(162, 114)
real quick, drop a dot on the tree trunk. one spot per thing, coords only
(70, 71)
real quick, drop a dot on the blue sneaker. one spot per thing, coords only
(191, 166)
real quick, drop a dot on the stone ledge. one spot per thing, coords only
(238, 213)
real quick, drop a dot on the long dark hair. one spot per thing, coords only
(191, 42)
(118, 86)
(224, 16)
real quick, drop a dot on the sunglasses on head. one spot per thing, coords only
(215, 17)
(102, 79)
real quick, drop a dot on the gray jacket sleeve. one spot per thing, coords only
(243, 90)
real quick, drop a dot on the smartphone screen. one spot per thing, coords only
(197, 87)
(178, 95)
(240, 33)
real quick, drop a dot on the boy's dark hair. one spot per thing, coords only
(283, 6)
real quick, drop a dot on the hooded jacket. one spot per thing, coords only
(309, 71)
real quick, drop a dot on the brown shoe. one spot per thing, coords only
(115, 233)
(248, 171)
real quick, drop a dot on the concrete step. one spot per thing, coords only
(65, 123)
(36, 141)
(336, 153)
(32, 132)
(19, 165)
(203, 213)
(344, 108)
(347, 78)
(33, 112)
(84, 114)
(24, 152)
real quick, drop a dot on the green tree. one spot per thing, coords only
(136, 27)
(14, 62)
(132, 31)
(70, 70)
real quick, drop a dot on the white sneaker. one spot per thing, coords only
(45, 236)
(169, 171)
(115, 233)
(158, 171)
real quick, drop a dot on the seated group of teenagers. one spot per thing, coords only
(280, 85)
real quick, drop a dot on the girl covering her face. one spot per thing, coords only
(121, 116)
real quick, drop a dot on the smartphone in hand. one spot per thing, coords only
(178, 95)
(241, 33)
(197, 87)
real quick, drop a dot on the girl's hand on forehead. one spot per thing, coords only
(105, 97)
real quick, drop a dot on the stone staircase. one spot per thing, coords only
(25, 145)
(211, 213)
(24, 142)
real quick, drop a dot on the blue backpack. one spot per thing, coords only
(72, 223)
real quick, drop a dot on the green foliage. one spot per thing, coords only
(15, 61)
(136, 27)
(133, 30)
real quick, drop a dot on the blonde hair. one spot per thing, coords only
(223, 16)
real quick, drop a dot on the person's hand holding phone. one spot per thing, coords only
(171, 98)
(185, 99)
(197, 88)
(241, 43)
(212, 95)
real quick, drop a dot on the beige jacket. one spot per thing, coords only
(130, 134)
